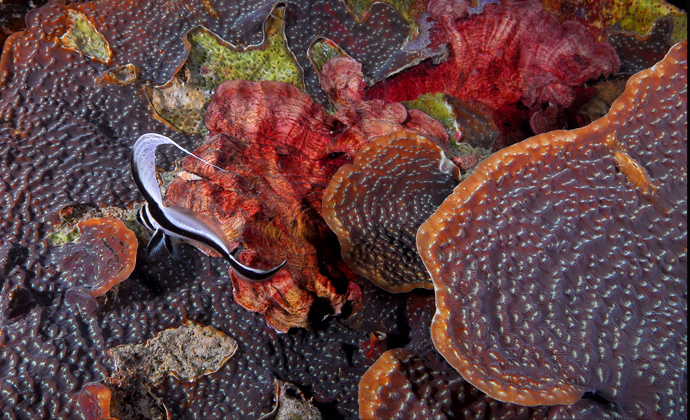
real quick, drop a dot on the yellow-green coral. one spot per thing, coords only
(214, 61)
(631, 15)
(435, 105)
(84, 37)
(323, 50)
(211, 61)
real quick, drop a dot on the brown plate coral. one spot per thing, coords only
(560, 265)
(376, 205)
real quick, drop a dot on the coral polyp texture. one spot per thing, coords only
(560, 265)
(376, 205)
(75, 94)
(513, 60)
(407, 384)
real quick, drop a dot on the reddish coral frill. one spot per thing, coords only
(270, 136)
(343, 80)
(104, 256)
(513, 59)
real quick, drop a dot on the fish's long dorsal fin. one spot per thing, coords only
(144, 164)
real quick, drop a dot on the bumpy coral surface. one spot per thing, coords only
(376, 205)
(560, 265)
(414, 382)
(67, 124)
(638, 52)
(513, 59)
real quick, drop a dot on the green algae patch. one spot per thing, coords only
(65, 234)
(628, 15)
(471, 131)
(182, 102)
(83, 36)
(323, 50)
(71, 215)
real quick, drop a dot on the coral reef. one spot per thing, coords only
(376, 205)
(513, 60)
(67, 125)
(600, 213)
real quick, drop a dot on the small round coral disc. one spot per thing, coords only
(109, 249)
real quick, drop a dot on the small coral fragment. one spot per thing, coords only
(291, 404)
(83, 36)
(376, 205)
(120, 75)
(187, 352)
(560, 264)
(93, 402)
(104, 255)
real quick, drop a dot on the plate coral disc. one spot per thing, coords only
(560, 265)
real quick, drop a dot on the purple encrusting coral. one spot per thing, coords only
(66, 138)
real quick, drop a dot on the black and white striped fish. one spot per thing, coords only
(167, 221)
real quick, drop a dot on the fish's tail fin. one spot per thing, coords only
(253, 275)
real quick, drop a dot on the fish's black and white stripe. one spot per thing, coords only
(183, 223)
(143, 218)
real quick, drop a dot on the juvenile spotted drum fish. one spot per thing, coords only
(167, 221)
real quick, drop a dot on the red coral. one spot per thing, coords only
(93, 402)
(269, 136)
(343, 80)
(514, 60)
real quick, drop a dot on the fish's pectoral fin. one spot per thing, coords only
(156, 243)
(171, 248)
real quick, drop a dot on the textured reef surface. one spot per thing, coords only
(283, 96)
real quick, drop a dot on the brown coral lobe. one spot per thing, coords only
(558, 273)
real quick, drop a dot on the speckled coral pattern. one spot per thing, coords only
(638, 52)
(565, 266)
(376, 205)
(414, 382)
(65, 139)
